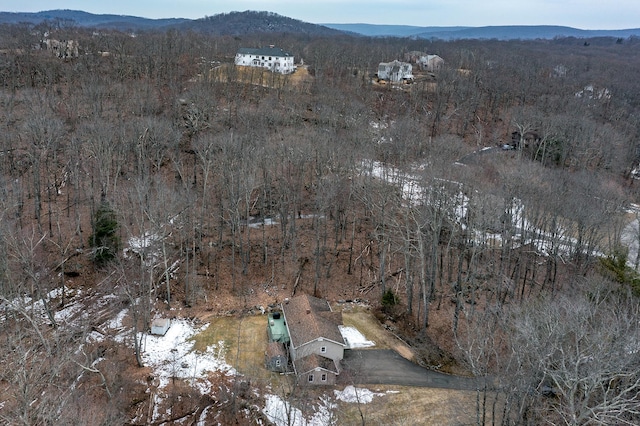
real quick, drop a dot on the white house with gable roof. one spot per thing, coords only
(272, 58)
(395, 71)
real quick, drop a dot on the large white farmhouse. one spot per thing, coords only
(271, 58)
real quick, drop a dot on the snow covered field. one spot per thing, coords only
(172, 356)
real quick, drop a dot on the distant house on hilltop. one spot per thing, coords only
(62, 48)
(424, 61)
(430, 63)
(413, 55)
(272, 58)
(395, 71)
(528, 139)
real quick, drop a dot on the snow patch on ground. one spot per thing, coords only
(105, 300)
(354, 339)
(630, 238)
(117, 325)
(358, 395)
(547, 242)
(257, 222)
(55, 293)
(202, 421)
(137, 244)
(173, 356)
(95, 336)
(145, 245)
(324, 413)
(268, 221)
(35, 308)
(282, 413)
(69, 312)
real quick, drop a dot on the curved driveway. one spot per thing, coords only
(386, 366)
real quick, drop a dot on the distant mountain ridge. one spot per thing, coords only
(504, 32)
(233, 23)
(86, 19)
(239, 23)
(381, 30)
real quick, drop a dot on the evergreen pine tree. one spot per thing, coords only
(104, 240)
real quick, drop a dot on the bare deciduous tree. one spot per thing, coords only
(583, 351)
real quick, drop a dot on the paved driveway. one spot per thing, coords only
(386, 366)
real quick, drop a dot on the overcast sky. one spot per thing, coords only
(585, 14)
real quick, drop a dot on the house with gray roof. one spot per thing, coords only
(430, 63)
(424, 61)
(272, 58)
(316, 345)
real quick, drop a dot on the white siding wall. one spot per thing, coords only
(281, 64)
(333, 350)
(329, 378)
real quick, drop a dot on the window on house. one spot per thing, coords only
(323, 349)
(324, 378)
(269, 57)
(310, 377)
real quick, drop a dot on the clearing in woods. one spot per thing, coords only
(245, 340)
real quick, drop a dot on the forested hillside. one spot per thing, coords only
(149, 173)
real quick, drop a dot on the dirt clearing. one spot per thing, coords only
(245, 340)
(411, 406)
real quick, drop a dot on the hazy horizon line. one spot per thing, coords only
(333, 23)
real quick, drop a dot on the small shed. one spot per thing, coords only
(160, 326)
(275, 357)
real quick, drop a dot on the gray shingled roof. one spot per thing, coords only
(311, 362)
(264, 51)
(310, 318)
(275, 349)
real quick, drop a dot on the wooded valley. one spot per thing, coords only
(487, 212)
